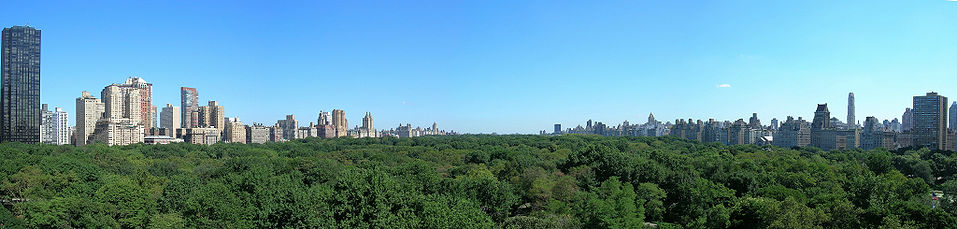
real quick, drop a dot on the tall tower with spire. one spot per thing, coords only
(851, 123)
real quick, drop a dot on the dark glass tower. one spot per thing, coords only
(930, 121)
(20, 89)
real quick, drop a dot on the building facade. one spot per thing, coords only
(20, 85)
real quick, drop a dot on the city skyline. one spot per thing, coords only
(477, 73)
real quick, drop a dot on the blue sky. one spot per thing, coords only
(503, 66)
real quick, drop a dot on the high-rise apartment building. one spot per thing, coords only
(20, 85)
(851, 122)
(122, 122)
(189, 103)
(170, 119)
(212, 115)
(145, 104)
(122, 102)
(774, 124)
(89, 109)
(558, 128)
(930, 121)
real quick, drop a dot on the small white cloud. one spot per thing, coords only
(724, 85)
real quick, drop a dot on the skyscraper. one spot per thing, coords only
(851, 123)
(20, 89)
(558, 128)
(907, 120)
(953, 116)
(170, 118)
(930, 121)
(89, 109)
(189, 103)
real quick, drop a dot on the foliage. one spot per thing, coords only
(473, 181)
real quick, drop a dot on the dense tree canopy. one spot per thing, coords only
(473, 181)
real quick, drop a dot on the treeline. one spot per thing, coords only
(572, 181)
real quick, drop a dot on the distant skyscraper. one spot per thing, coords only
(189, 103)
(651, 118)
(930, 121)
(170, 118)
(89, 109)
(20, 90)
(907, 120)
(953, 116)
(851, 123)
(558, 128)
(774, 124)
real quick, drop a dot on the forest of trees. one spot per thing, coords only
(473, 181)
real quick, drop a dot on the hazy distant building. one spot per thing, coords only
(930, 121)
(20, 85)
(851, 122)
(873, 137)
(189, 103)
(738, 133)
(89, 109)
(774, 124)
(828, 137)
(170, 118)
(822, 117)
(953, 116)
(557, 129)
(907, 120)
(793, 133)
(754, 122)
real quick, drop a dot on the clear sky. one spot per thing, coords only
(503, 66)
